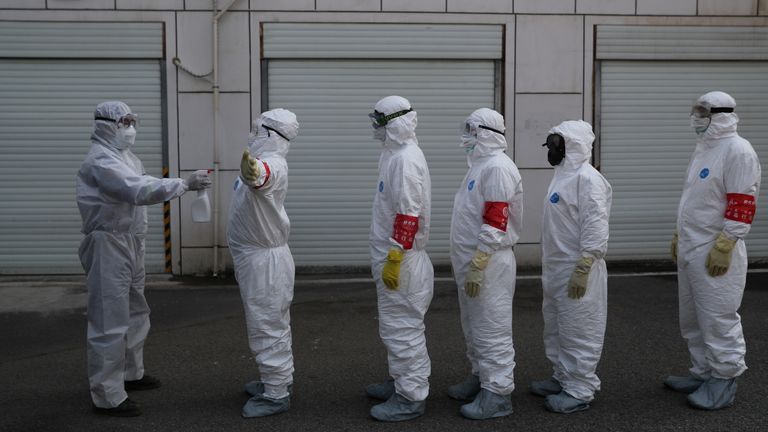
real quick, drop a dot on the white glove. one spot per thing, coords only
(198, 180)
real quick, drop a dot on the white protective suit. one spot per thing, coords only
(575, 225)
(112, 192)
(487, 216)
(401, 209)
(257, 234)
(723, 169)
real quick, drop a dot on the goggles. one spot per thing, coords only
(275, 131)
(701, 111)
(469, 129)
(123, 122)
(380, 119)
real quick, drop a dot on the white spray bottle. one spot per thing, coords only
(201, 206)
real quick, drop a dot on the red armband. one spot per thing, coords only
(496, 214)
(266, 177)
(741, 208)
(405, 230)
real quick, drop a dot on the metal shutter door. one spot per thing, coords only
(646, 143)
(46, 118)
(334, 161)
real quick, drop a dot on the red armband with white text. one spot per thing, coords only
(405, 230)
(496, 214)
(741, 208)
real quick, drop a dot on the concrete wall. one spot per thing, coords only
(548, 73)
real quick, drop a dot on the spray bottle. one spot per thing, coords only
(201, 206)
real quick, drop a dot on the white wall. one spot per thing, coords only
(548, 74)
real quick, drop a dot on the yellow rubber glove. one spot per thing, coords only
(249, 168)
(673, 248)
(391, 273)
(476, 273)
(577, 286)
(719, 258)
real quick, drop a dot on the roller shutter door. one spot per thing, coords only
(46, 118)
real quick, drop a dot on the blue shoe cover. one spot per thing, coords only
(381, 391)
(714, 394)
(564, 403)
(487, 405)
(397, 408)
(260, 406)
(466, 390)
(546, 387)
(686, 384)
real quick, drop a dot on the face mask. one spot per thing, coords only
(700, 124)
(125, 137)
(556, 145)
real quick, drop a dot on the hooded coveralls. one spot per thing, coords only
(401, 214)
(257, 233)
(721, 187)
(575, 224)
(487, 216)
(112, 192)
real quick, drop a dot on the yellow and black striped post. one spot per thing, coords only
(167, 229)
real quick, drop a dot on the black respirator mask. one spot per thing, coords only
(556, 145)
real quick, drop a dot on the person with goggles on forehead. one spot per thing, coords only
(486, 223)
(714, 217)
(399, 263)
(112, 194)
(574, 278)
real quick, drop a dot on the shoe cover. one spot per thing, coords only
(260, 406)
(714, 394)
(487, 405)
(397, 408)
(686, 384)
(564, 403)
(546, 387)
(256, 388)
(381, 391)
(466, 390)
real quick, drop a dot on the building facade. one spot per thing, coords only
(630, 67)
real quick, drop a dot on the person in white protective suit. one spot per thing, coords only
(401, 268)
(713, 219)
(574, 240)
(112, 193)
(257, 234)
(486, 224)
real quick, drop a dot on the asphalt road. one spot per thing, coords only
(198, 348)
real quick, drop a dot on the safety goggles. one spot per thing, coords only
(380, 119)
(470, 129)
(125, 121)
(702, 111)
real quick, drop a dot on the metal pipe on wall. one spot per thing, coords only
(216, 162)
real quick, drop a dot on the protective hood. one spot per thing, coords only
(578, 137)
(272, 132)
(400, 131)
(722, 124)
(487, 141)
(105, 131)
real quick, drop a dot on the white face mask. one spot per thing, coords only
(125, 137)
(700, 124)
